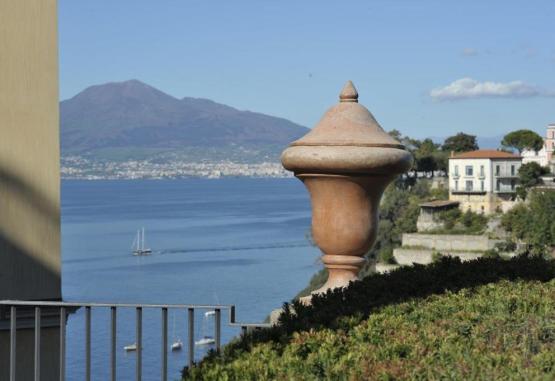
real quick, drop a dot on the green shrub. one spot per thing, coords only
(507, 246)
(386, 256)
(456, 222)
(399, 326)
(533, 223)
(491, 254)
(436, 256)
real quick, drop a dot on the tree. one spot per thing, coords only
(523, 139)
(460, 143)
(424, 155)
(529, 175)
(533, 224)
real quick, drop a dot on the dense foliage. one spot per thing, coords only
(429, 156)
(523, 139)
(460, 142)
(397, 326)
(532, 223)
(457, 222)
(529, 175)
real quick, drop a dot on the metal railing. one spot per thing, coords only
(64, 307)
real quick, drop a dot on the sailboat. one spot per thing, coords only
(139, 244)
(130, 347)
(177, 343)
(206, 340)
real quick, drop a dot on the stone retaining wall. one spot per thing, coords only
(405, 256)
(448, 242)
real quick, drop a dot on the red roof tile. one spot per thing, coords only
(486, 154)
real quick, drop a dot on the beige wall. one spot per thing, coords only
(29, 151)
(49, 356)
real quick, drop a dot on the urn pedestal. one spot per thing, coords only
(345, 162)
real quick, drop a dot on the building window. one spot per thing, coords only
(512, 185)
(456, 185)
(456, 170)
(512, 170)
(468, 186)
(482, 170)
(497, 170)
(498, 185)
(482, 185)
(468, 170)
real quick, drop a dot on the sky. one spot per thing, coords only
(426, 68)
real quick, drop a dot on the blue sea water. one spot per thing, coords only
(225, 241)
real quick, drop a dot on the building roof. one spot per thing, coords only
(439, 203)
(486, 154)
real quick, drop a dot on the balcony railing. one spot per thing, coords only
(43, 309)
(467, 191)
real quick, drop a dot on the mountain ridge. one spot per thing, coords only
(132, 115)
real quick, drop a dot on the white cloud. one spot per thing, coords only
(469, 52)
(468, 88)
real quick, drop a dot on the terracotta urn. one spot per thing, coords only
(346, 161)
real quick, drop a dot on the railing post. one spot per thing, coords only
(191, 337)
(37, 343)
(13, 341)
(164, 344)
(232, 314)
(62, 343)
(139, 337)
(113, 343)
(218, 327)
(88, 343)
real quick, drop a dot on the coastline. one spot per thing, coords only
(78, 168)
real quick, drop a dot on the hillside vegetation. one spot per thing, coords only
(489, 319)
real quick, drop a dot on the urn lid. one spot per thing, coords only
(348, 139)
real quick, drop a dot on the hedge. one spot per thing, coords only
(447, 320)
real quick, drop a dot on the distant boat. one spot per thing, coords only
(177, 345)
(131, 347)
(139, 244)
(206, 340)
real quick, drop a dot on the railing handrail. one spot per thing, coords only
(31, 303)
(66, 307)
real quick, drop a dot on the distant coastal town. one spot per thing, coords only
(82, 168)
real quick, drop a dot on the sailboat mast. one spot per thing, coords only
(143, 240)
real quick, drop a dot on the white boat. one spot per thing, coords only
(130, 347)
(177, 345)
(206, 340)
(139, 244)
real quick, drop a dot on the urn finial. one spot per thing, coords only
(345, 161)
(349, 93)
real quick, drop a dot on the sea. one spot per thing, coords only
(239, 241)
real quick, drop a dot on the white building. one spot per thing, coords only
(543, 157)
(484, 181)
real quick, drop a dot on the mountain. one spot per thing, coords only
(132, 116)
